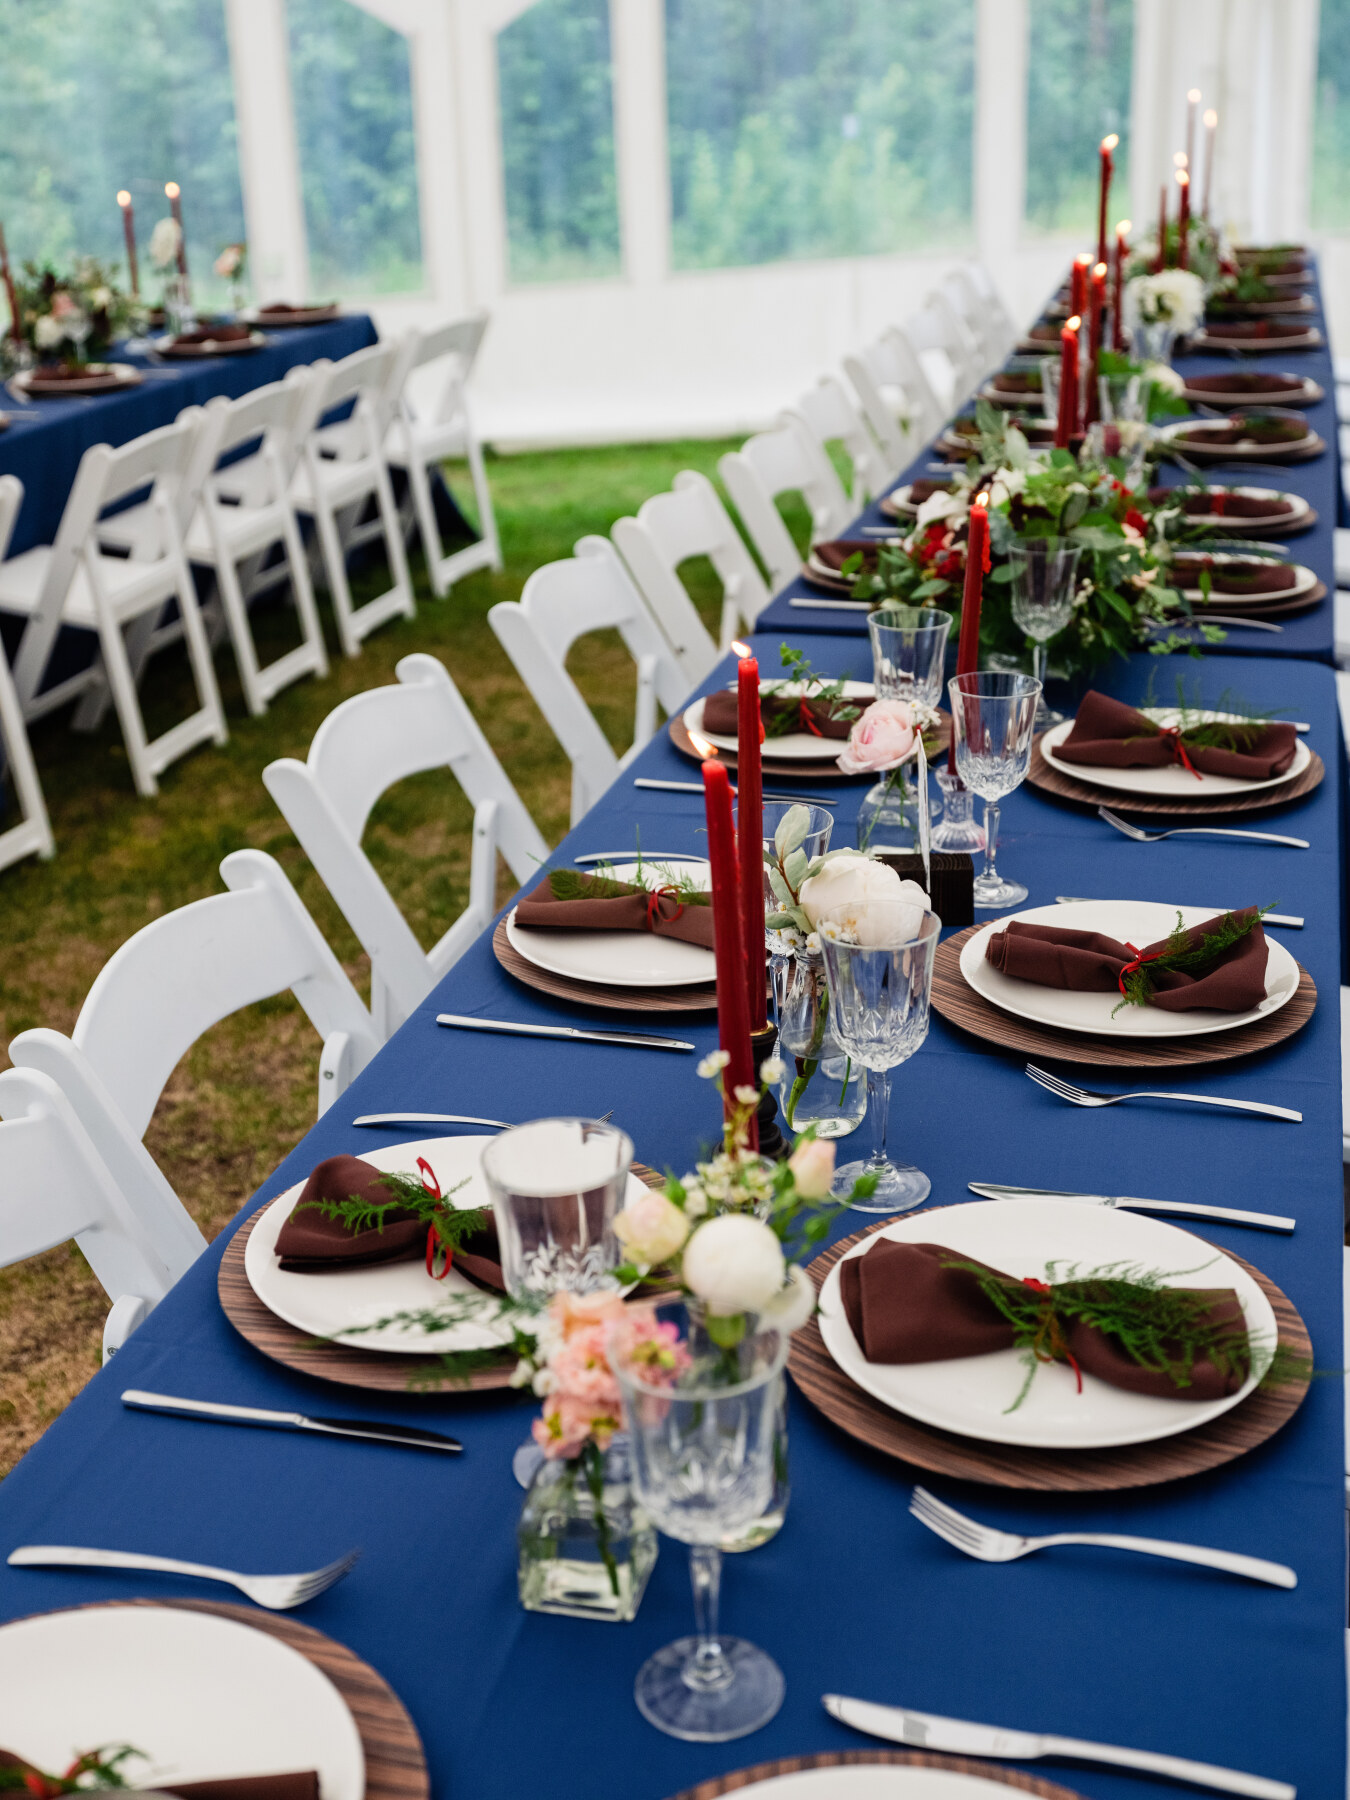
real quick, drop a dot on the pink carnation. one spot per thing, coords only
(881, 739)
(581, 1369)
(568, 1422)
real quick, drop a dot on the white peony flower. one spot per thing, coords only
(793, 1304)
(734, 1263)
(864, 900)
(164, 242)
(651, 1229)
(1174, 297)
(1164, 376)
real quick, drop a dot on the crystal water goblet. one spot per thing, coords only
(879, 998)
(701, 1457)
(1044, 578)
(993, 722)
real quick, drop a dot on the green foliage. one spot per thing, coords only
(1180, 955)
(101, 1768)
(1331, 120)
(801, 673)
(572, 884)
(454, 1226)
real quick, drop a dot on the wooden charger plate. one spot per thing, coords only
(1224, 526)
(1054, 781)
(700, 998)
(872, 1759)
(347, 1364)
(1224, 453)
(395, 1765)
(1210, 1446)
(827, 769)
(1248, 609)
(959, 1004)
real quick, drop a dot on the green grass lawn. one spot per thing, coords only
(246, 1092)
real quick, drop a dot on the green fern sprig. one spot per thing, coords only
(571, 884)
(454, 1226)
(1183, 956)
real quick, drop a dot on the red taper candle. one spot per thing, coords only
(1161, 263)
(733, 1007)
(1104, 190)
(1066, 423)
(1096, 320)
(750, 834)
(1078, 285)
(1118, 297)
(1184, 183)
(972, 596)
(129, 233)
(15, 329)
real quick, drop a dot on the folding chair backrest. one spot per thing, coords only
(1000, 330)
(929, 336)
(830, 416)
(273, 413)
(460, 339)
(782, 461)
(365, 377)
(31, 833)
(896, 359)
(362, 748)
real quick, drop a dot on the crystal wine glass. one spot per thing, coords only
(879, 992)
(701, 1457)
(993, 721)
(1044, 577)
(908, 645)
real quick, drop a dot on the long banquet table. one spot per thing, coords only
(853, 1596)
(1309, 634)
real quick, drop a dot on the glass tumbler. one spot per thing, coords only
(1044, 579)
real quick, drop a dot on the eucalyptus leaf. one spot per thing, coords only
(1074, 508)
(781, 891)
(792, 829)
(794, 869)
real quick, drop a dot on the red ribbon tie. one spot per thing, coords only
(435, 1247)
(655, 916)
(1171, 734)
(1133, 968)
(1045, 1291)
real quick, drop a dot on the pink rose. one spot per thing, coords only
(881, 739)
(812, 1165)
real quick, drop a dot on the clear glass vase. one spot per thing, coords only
(820, 1085)
(586, 1548)
(883, 823)
(1152, 340)
(709, 1338)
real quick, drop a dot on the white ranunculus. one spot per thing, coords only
(48, 332)
(865, 899)
(792, 1305)
(1164, 376)
(812, 1165)
(164, 241)
(734, 1264)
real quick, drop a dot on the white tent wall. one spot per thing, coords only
(661, 353)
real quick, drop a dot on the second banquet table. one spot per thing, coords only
(853, 1596)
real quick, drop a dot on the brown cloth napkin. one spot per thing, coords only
(1243, 382)
(833, 553)
(719, 714)
(1107, 734)
(1089, 962)
(310, 1243)
(1259, 576)
(664, 915)
(1018, 381)
(1260, 328)
(1224, 503)
(302, 1784)
(1241, 429)
(905, 1306)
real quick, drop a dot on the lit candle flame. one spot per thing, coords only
(171, 190)
(1109, 143)
(1193, 95)
(1073, 324)
(742, 650)
(1211, 118)
(1124, 227)
(982, 499)
(1180, 158)
(1099, 269)
(1183, 179)
(706, 749)
(123, 197)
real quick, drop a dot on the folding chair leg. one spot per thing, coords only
(482, 493)
(241, 637)
(335, 575)
(432, 548)
(122, 687)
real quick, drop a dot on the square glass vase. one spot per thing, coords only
(586, 1548)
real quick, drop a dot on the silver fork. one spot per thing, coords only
(1156, 837)
(1077, 1096)
(988, 1545)
(279, 1593)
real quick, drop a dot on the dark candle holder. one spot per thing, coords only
(772, 1143)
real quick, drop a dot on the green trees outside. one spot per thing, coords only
(1078, 91)
(1331, 121)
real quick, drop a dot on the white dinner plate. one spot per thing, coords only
(1305, 580)
(637, 959)
(1173, 781)
(1299, 509)
(330, 1304)
(1200, 428)
(203, 1697)
(878, 1781)
(1128, 921)
(971, 1395)
(792, 746)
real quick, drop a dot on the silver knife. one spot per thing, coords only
(928, 1731)
(1187, 1209)
(412, 1436)
(1290, 919)
(696, 787)
(639, 1040)
(649, 856)
(428, 1119)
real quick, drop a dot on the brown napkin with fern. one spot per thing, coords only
(1223, 502)
(1179, 973)
(912, 1303)
(315, 1239)
(833, 553)
(1258, 575)
(31, 1783)
(570, 901)
(1107, 734)
(1247, 428)
(782, 712)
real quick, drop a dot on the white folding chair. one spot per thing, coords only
(416, 443)
(985, 308)
(54, 1186)
(782, 461)
(831, 417)
(362, 748)
(32, 835)
(965, 339)
(560, 603)
(174, 979)
(669, 529)
(74, 582)
(340, 474)
(896, 419)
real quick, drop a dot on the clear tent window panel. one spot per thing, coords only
(1331, 120)
(97, 96)
(555, 92)
(818, 128)
(1078, 92)
(352, 91)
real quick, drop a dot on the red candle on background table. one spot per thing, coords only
(972, 595)
(750, 834)
(1211, 126)
(1107, 168)
(1118, 299)
(1184, 183)
(1096, 313)
(1161, 262)
(1066, 423)
(129, 233)
(15, 329)
(1078, 285)
(175, 196)
(733, 1005)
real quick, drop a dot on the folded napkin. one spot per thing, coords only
(1107, 734)
(310, 1243)
(1243, 382)
(833, 553)
(906, 1304)
(1257, 576)
(1223, 502)
(214, 334)
(1244, 429)
(283, 306)
(302, 1784)
(600, 904)
(819, 717)
(1089, 962)
(1023, 381)
(1260, 328)
(924, 489)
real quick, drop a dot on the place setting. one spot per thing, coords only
(1237, 583)
(215, 338)
(1266, 436)
(1252, 387)
(1255, 336)
(74, 380)
(1238, 511)
(279, 315)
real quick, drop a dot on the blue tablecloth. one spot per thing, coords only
(854, 1595)
(45, 452)
(1308, 634)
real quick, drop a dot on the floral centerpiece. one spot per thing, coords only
(72, 318)
(1161, 307)
(1207, 255)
